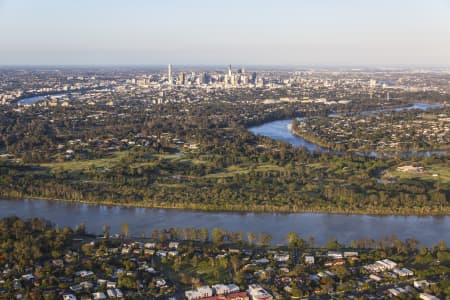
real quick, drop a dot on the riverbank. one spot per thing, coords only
(370, 152)
(311, 139)
(343, 227)
(328, 147)
(444, 211)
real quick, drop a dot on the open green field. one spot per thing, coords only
(109, 162)
(78, 165)
(244, 169)
(438, 172)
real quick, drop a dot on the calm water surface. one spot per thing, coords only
(31, 100)
(428, 230)
(279, 130)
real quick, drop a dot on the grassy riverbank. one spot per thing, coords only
(284, 180)
(245, 209)
(323, 143)
(393, 132)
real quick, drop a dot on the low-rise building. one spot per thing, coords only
(256, 292)
(425, 296)
(199, 293)
(223, 289)
(421, 284)
(309, 259)
(98, 296)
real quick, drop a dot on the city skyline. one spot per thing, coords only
(297, 33)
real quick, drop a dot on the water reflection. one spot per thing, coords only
(429, 229)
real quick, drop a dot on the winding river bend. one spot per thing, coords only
(279, 130)
(428, 230)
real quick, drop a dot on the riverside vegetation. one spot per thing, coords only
(411, 130)
(166, 262)
(201, 156)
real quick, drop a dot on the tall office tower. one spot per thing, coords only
(254, 77)
(244, 79)
(234, 79)
(202, 78)
(169, 74)
(181, 78)
(229, 71)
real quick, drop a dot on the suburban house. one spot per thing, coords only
(256, 292)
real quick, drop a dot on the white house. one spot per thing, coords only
(256, 292)
(421, 284)
(223, 289)
(309, 259)
(111, 293)
(99, 296)
(350, 254)
(426, 296)
(150, 245)
(200, 292)
(335, 255)
(403, 272)
(281, 257)
(174, 245)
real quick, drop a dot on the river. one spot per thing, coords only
(279, 130)
(35, 99)
(31, 100)
(427, 229)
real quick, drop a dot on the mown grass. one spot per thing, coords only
(78, 165)
(441, 170)
(244, 169)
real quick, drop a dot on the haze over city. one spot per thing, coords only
(338, 33)
(224, 150)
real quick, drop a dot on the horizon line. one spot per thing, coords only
(158, 65)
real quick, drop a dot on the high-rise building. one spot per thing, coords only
(202, 78)
(244, 79)
(169, 74)
(181, 78)
(233, 80)
(229, 71)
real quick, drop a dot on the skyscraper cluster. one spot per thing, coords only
(225, 79)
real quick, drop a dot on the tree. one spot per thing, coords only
(235, 263)
(412, 245)
(155, 234)
(264, 239)
(292, 239)
(251, 237)
(81, 229)
(333, 244)
(342, 272)
(204, 234)
(125, 229)
(442, 246)
(106, 229)
(217, 235)
(423, 251)
(295, 242)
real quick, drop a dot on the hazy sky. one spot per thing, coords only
(272, 32)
